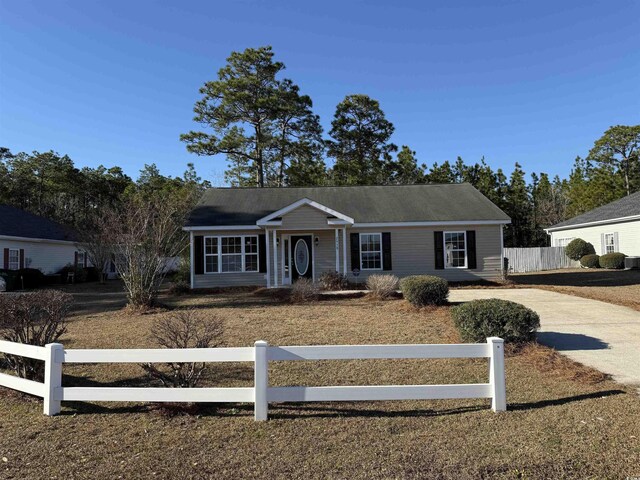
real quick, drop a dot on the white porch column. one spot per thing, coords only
(337, 251)
(344, 249)
(268, 260)
(192, 257)
(275, 259)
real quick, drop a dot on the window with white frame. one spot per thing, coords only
(371, 251)
(14, 259)
(563, 242)
(609, 243)
(82, 259)
(455, 249)
(231, 254)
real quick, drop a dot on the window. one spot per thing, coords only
(455, 249)
(231, 254)
(14, 259)
(563, 242)
(609, 243)
(371, 251)
(82, 259)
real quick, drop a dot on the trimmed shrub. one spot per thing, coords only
(612, 260)
(303, 291)
(578, 248)
(590, 261)
(30, 278)
(420, 290)
(508, 320)
(80, 273)
(382, 286)
(333, 281)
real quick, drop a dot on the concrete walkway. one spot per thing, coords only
(597, 334)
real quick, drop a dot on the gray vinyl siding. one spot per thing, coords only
(305, 218)
(412, 253)
(628, 235)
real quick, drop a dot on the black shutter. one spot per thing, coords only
(355, 251)
(21, 258)
(386, 250)
(6, 259)
(438, 242)
(198, 254)
(262, 253)
(471, 249)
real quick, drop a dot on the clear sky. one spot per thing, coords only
(114, 82)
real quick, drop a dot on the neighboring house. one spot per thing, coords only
(614, 227)
(273, 236)
(31, 241)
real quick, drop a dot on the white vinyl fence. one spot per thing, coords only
(54, 355)
(536, 259)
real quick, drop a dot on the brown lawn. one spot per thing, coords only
(564, 420)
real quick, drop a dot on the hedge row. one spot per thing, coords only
(613, 260)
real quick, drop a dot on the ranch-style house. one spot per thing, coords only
(273, 236)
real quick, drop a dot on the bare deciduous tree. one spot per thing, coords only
(183, 329)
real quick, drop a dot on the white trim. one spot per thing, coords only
(337, 247)
(192, 254)
(444, 247)
(219, 254)
(593, 224)
(275, 259)
(344, 250)
(612, 235)
(501, 249)
(431, 224)
(299, 203)
(38, 240)
(17, 250)
(267, 245)
(221, 227)
(337, 221)
(381, 251)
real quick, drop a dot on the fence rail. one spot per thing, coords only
(55, 355)
(536, 259)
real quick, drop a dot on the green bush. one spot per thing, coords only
(420, 290)
(578, 248)
(590, 261)
(80, 277)
(510, 321)
(30, 278)
(613, 260)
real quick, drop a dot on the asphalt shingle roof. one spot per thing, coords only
(625, 207)
(365, 204)
(18, 223)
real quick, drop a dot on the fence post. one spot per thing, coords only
(52, 377)
(497, 374)
(261, 381)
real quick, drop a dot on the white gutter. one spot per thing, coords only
(38, 240)
(593, 224)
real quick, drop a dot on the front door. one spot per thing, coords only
(302, 257)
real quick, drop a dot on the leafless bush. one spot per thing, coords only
(304, 290)
(382, 286)
(34, 318)
(183, 329)
(333, 281)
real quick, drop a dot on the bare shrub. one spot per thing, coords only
(183, 329)
(382, 286)
(36, 318)
(333, 281)
(303, 291)
(179, 288)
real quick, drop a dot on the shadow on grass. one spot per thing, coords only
(571, 341)
(583, 278)
(562, 401)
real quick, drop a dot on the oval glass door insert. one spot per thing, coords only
(301, 254)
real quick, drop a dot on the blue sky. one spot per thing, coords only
(114, 82)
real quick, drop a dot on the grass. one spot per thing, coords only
(564, 420)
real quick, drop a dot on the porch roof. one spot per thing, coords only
(363, 204)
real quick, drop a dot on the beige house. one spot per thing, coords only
(273, 236)
(614, 227)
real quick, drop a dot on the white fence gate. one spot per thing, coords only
(536, 259)
(54, 355)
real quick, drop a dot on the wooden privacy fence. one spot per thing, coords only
(55, 355)
(536, 259)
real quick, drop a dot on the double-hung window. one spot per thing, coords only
(563, 242)
(609, 243)
(14, 259)
(371, 251)
(231, 254)
(455, 249)
(82, 259)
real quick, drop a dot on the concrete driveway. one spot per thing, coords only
(597, 334)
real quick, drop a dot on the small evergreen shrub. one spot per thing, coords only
(613, 260)
(479, 319)
(578, 248)
(590, 261)
(30, 278)
(382, 286)
(333, 281)
(80, 273)
(420, 290)
(303, 291)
